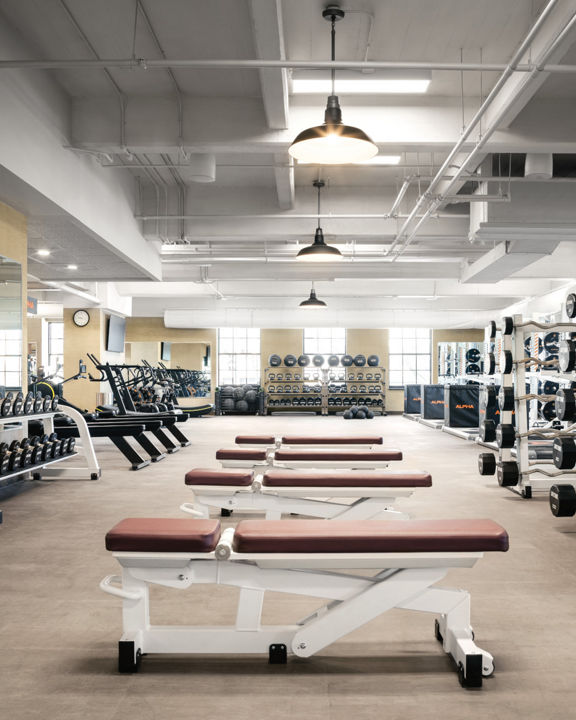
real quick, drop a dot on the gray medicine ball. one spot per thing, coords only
(241, 406)
(318, 360)
(333, 361)
(370, 415)
(238, 393)
(274, 360)
(227, 391)
(347, 415)
(303, 361)
(360, 415)
(359, 360)
(354, 411)
(251, 396)
(347, 360)
(227, 404)
(373, 360)
(290, 360)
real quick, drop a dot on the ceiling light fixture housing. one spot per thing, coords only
(362, 82)
(43, 253)
(319, 251)
(312, 301)
(332, 143)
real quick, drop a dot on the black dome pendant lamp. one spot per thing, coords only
(312, 301)
(332, 143)
(319, 251)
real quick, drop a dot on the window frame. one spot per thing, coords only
(51, 368)
(240, 375)
(5, 339)
(412, 336)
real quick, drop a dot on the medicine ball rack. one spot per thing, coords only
(16, 427)
(520, 466)
(329, 390)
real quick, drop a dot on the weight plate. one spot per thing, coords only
(488, 431)
(563, 500)
(491, 329)
(550, 387)
(506, 399)
(565, 404)
(567, 356)
(505, 436)
(571, 305)
(507, 473)
(551, 340)
(564, 453)
(473, 355)
(486, 464)
(506, 362)
(548, 411)
(473, 369)
(488, 396)
(489, 364)
(507, 326)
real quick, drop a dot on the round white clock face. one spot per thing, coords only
(81, 318)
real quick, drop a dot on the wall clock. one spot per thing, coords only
(81, 318)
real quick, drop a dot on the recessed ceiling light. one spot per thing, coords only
(43, 253)
(350, 82)
(71, 267)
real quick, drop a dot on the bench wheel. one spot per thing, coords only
(126, 662)
(278, 654)
(224, 512)
(437, 633)
(527, 493)
(472, 678)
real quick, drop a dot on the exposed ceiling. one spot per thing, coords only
(236, 238)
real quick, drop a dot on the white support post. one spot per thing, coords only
(521, 406)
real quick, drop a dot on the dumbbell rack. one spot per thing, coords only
(531, 475)
(324, 394)
(43, 469)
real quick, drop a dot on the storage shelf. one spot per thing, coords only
(24, 418)
(38, 466)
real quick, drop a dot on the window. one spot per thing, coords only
(324, 341)
(55, 347)
(11, 358)
(409, 357)
(238, 356)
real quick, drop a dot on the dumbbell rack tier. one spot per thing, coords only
(532, 476)
(43, 469)
(324, 393)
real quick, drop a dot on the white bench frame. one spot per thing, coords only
(403, 581)
(371, 503)
(260, 467)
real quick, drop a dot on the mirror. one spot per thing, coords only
(10, 324)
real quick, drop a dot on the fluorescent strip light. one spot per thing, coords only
(43, 253)
(381, 160)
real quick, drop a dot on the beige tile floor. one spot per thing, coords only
(58, 632)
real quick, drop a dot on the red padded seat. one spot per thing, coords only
(345, 478)
(241, 454)
(203, 476)
(323, 440)
(336, 454)
(163, 535)
(369, 536)
(255, 440)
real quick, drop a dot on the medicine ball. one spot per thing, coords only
(251, 396)
(373, 360)
(359, 361)
(227, 391)
(370, 415)
(227, 404)
(318, 360)
(347, 360)
(303, 361)
(290, 360)
(333, 361)
(360, 415)
(241, 406)
(274, 360)
(354, 410)
(238, 393)
(347, 415)
(363, 408)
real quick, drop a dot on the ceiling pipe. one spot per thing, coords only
(512, 66)
(291, 216)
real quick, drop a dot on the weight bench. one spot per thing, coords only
(306, 458)
(279, 492)
(302, 557)
(271, 441)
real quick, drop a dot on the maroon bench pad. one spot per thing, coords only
(163, 535)
(368, 536)
(209, 476)
(336, 454)
(255, 440)
(322, 440)
(345, 478)
(241, 454)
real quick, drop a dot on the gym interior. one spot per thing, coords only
(287, 404)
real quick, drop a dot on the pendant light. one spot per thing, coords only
(319, 251)
(332, 143)
(312, 301)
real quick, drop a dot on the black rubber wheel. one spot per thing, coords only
(126, 662)
(225, 513)
(527, 493)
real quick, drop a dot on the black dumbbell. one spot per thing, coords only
(36, 457)
(28, 403)
(54, 404)
(488, 396)
(565, 404)
(564, 452)
(489, 364)
(14, 462)
(6, 406)
(4, 458)
(18, 404)
(488, 431)
(505, 435)
(486, 464)
(47, 404)
(567, 356)
(563, 500)
(38, 402)
(14, 445)
(72, 443)
(26, 457)
(25, 443)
